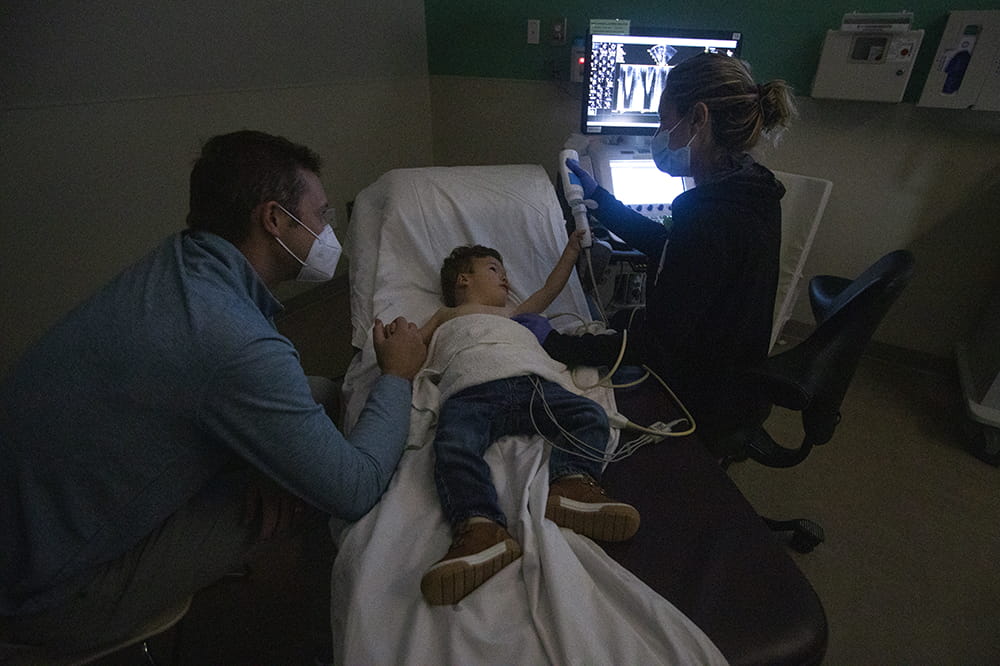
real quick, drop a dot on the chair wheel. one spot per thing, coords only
(805, 534)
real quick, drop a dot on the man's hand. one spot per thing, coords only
(399, 348)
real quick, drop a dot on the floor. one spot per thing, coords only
(908, 573)
(909, 570)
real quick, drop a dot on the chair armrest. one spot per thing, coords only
(780, 380)
(763, 448)
(823, 289)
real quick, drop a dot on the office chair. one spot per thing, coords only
(812, 377)
(160, 623)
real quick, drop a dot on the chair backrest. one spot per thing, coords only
(801, 211)
(813, 376)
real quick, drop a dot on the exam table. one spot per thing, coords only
(701, 546)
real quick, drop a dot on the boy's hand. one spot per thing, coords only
(575, 243)
(399, 347)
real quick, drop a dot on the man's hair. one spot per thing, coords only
(236, 172)
(460, 261)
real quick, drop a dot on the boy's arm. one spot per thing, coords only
(427, 330)
(557, 279)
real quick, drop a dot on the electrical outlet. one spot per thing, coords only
(534, 30)
(558, 31)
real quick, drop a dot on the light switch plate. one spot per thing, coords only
(534, 28)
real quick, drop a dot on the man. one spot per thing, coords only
(136, 432)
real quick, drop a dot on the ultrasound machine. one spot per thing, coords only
(624, 77)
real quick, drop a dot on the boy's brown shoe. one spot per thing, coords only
(578, 503)
(480, 549)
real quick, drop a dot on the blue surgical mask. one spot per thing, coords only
(675, 161)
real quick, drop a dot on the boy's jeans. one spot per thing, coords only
(474, 418)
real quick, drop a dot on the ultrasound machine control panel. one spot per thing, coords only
(626, 169)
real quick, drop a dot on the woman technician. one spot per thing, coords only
(712, 277)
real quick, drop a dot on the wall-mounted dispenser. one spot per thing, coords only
(966, 69)
(869, 59)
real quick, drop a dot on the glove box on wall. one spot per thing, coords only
(866, 65)
(966, 69)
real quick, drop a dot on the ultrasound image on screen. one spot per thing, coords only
(627, 74)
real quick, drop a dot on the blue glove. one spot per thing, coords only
(586, 180)
(535, 323)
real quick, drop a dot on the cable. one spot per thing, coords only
(585, 326)
(631, 384)
(656, 433)
(605, 380)
(677, 401)
(583, 450)
(593, 284)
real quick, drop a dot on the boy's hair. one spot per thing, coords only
(460, 261)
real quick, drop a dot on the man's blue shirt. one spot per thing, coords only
(131, 404)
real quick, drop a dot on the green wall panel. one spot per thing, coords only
(783, 39)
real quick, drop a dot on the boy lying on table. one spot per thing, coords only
(520, 397)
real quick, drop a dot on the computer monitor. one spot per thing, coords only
(625, 74)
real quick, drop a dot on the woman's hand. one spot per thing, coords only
(586, 180)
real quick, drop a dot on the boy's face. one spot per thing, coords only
(486, 284)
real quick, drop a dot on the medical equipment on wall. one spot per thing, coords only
(966, 69)
(870, 58)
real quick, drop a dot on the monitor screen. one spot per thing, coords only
(639, 182)
(625, 74)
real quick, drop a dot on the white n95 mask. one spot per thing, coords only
(321, 263)
(675, 161)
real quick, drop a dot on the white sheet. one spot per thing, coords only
(565, 601)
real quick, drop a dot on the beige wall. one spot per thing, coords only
(904, 177)
(105, 107)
